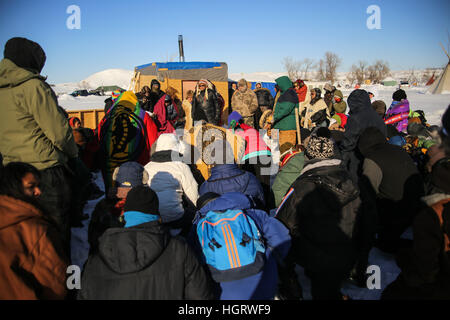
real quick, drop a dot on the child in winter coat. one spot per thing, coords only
(398, 112)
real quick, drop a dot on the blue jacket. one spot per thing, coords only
(263, 285)
(229, 178)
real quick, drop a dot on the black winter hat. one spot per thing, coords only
(446, 122)
(399, 95)
(440, 175)
(25, 54)
(142, 199)
(206, 198)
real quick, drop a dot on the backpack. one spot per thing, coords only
(232, 245)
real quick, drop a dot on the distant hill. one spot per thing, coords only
(108, 77)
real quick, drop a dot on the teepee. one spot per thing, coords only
(442, 84)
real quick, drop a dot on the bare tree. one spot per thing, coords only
(292, 68)
(379, 71)
(332, 62)
(298, 69)
(351, 78)
(320, 73)
(359, 72)
(305, 66)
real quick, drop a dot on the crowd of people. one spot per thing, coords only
(192, 206)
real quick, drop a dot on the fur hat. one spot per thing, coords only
(142, 199)
(242, 83)
(265, 117)
(319, 148)
(328, 87)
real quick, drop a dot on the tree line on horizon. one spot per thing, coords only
(326, 69)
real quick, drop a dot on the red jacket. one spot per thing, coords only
(301, 93)
(163, 124)
(255, 144)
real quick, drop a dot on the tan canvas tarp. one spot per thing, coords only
(442, 84)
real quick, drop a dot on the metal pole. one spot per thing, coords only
(180, 47)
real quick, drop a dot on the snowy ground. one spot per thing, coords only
(388, 268)
(81, 103)
(434, 105)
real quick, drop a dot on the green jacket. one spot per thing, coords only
(341, 106)
(32, 129)
(286, 176)
(284, 114)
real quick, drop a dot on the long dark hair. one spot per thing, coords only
(11, 180)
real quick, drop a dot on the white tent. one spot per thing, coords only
(442, 84)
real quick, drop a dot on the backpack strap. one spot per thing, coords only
(439, 210)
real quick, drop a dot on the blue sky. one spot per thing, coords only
(250, 36)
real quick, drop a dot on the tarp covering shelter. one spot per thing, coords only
(267, 85)
(182, 76)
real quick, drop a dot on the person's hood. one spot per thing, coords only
(129, 250)
(154, 81)
(243, 83)
(333, 176)
(339, 94)
(220, 171)
(370, 139)
(284, 83)
(168, 142)
(11, 75)
(128, 100)
(227, 201)
(14, 211)
(358, 100)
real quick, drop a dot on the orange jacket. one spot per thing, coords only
(301, 93)
(32, 262)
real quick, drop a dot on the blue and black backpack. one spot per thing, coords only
(232, 245)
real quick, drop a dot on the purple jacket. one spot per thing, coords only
(399, 108)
